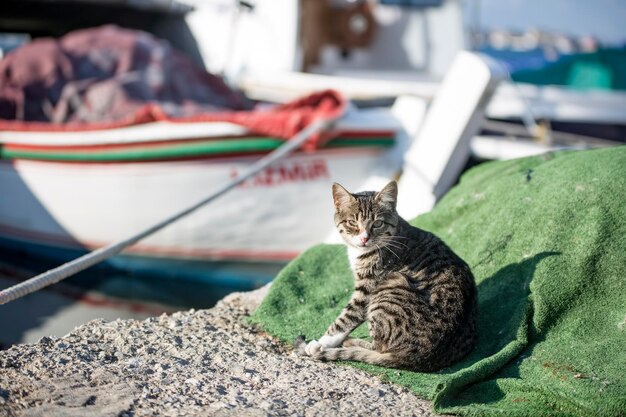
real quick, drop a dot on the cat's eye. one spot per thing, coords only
(377, 224)
(352, 223)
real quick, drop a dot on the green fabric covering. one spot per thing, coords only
(546, 239)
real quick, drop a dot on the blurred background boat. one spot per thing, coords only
(384, 49)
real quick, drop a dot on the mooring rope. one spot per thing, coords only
(79, 264)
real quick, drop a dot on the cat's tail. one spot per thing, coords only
(358, 353)
(352, 353)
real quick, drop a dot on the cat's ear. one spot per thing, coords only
(389, 194)
(341, 196)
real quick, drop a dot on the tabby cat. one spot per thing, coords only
(418, 297)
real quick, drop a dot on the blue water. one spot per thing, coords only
(173, 283)
(128, 283)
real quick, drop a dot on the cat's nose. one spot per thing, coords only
(364, 239)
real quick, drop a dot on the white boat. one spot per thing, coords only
(82, 190)
(385, 49)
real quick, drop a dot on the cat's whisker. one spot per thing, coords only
(380, 257)
(386, 247)
(393, 245)
(392, 252)
(397, 237)
(391, 239)
(396, 242)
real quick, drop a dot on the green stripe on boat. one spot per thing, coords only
(183, 150)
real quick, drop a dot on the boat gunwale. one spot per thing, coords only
(181, 150)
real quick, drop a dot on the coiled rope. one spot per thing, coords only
(79, 264)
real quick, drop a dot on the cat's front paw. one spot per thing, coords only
(307, 349)
(313, 347)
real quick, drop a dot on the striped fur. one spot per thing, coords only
(417, 295)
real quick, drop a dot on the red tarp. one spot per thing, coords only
(109, 77)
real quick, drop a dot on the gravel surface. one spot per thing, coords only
(193, 363)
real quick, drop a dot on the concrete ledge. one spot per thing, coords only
(193, 363)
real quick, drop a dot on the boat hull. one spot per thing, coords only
(271, 217)
(66, 193)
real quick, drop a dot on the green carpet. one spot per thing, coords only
(546, 239)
